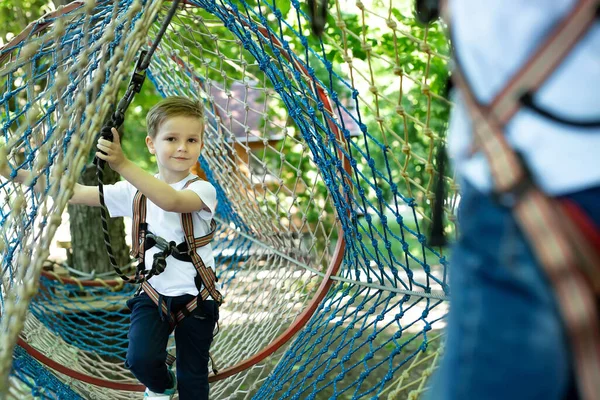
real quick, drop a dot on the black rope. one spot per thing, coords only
(160, 259)
(135, 85)
(317, 11)
(527, 102)
(427, 11)
(437, 238)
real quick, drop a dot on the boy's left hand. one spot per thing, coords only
(114, 154)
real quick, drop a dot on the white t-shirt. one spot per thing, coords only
(178, 277)
(493, 39)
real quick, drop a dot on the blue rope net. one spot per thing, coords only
(89, 318)
(322, 153)
(38, 381)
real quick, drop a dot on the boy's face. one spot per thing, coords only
(177, 144)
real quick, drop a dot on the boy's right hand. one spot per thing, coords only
(111, 152)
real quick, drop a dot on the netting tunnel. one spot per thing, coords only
(322, 153)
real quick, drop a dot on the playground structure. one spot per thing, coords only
(322, 153)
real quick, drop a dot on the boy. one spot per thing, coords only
(175, 131)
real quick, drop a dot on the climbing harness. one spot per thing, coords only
(565, 252)
(185, 251)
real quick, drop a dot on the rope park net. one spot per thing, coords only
(322, 152)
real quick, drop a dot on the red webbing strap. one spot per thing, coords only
(191, 306)
(153, 294)
(567, 256)
(174, 318)
(207, 275)
(206, 239)
(170, 359)
(188, 183)
(509, 176)
(139, 217)
(488, 122)
(546, 58)
(583, 222)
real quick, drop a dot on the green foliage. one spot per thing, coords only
(401, 50)
(134, 128)
(16, 15)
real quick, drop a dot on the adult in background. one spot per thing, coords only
(523, 324)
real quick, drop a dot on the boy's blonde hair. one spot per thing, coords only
(172, 107)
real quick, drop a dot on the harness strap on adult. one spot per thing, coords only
(567, 256)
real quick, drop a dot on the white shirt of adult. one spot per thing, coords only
(493, 39)
(178, 277)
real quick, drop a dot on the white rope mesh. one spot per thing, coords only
(306, 157)
(74, 114)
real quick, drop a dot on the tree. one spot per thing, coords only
(87, 239)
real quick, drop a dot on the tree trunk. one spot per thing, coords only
(87, 240)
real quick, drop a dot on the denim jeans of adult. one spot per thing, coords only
(505, 338)
(148, 336)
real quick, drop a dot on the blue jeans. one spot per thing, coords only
(148, 335)
(505, 338)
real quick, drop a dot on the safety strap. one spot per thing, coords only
(207, 277)
(565, 253)
(139, 227)
(175, 318)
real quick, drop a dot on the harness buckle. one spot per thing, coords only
(139, 74)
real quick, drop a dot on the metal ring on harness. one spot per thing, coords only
(180, 251)
(159, 263)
